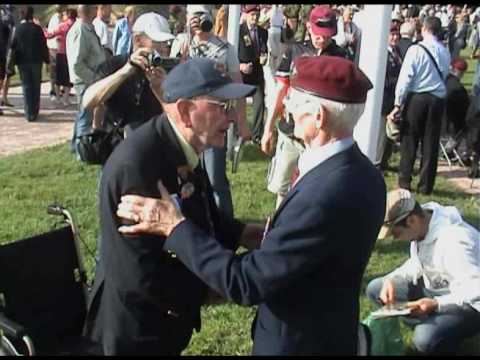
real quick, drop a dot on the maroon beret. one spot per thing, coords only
(323, 21)
(459, 64)
(248, 8)
(330, 77)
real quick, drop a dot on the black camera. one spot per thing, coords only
(205, 20)
(167, 64)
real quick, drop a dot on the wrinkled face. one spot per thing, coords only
(252, 18)
(210, 119)
(318, 41)
(304, 114)
(393, 38)
(162, 47)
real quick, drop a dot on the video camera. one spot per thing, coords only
(205, 20)
(167, 63)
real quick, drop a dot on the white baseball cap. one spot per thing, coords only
(155, 26)
(192, 9)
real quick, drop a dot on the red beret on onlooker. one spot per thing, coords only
(330, 77)
(249, 8)
(323, 21)
(394, 29)
(459, 64)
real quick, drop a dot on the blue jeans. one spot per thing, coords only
(214, 160)
(437, 333)
(31, 77)
(83, 121)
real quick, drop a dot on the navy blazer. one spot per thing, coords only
(306, 276)
(144, 301)
(247, 53)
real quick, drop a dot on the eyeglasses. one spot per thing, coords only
(226, 105)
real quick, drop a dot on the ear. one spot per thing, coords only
(308, 26)
(184, 108)
(322, 118)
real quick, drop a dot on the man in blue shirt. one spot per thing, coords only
(419, 98)
(122, 34)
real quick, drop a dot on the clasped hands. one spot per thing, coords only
(152, 216)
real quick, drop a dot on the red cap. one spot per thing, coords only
(394, 28)
(330, 77)
(249, 8)
(323, 21)
(459, 64)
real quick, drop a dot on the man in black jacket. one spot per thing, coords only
(252, 54)
(144, 301)
(29, 50)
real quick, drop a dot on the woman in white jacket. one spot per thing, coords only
(440, 280)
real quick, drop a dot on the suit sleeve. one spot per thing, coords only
(128, 258)
(289, 251)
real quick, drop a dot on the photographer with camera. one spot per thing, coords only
(123, 97)
(125, 82)
(199, 41)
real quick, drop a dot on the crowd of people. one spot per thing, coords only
(177, 88)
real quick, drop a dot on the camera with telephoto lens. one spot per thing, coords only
(205, 20)
(167, 64)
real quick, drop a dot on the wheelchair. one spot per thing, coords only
(44, 292)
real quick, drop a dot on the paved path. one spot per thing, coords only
(55, 125)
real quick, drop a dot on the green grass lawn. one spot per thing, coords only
(32, 180)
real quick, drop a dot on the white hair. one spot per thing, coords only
(342, 116)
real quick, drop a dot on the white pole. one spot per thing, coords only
(233, 25)
(374, 22)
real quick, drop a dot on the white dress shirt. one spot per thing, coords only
(418, 73)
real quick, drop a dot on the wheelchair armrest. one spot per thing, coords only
(11, 328)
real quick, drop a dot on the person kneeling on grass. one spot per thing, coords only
(440, 280)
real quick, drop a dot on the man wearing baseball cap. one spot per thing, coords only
(306, 275)
(144, 300)
(125, 79)
(440, 281)
(322, 26)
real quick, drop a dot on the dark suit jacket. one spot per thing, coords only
(144, 300)
(29, 45)
(307, 274)
(247, 53)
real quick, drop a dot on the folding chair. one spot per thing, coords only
(448, 146)
(43, 294)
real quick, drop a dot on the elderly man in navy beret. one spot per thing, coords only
(306, 274)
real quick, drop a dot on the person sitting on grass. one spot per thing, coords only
(440, 280)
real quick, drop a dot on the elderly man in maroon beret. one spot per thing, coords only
(306, 271)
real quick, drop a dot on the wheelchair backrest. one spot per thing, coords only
(41, 286)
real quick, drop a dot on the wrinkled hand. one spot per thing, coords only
(422, 306)
(387, 294)
(153, 216)
(155, 76)
(140, 58)
(268, 142)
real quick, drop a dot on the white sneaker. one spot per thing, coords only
(65, 102)
(53, 98)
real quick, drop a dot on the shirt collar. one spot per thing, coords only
(189, 152)
(313, 157)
